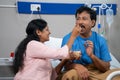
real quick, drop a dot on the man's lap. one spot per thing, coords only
(94, 75)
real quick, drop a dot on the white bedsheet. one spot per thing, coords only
(114, 63)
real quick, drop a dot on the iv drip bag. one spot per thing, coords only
(109, 16)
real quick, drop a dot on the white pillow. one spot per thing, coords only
(54, 42)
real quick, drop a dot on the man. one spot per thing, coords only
(94, 63)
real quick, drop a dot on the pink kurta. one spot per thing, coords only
(37, 65)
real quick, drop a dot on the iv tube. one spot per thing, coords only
(103, 6)
(109, 16)
(109, 20)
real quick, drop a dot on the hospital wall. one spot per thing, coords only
(13, 24)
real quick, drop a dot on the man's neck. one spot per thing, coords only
(86, 35)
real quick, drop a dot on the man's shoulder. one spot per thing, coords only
(98, 36)
(67, 36)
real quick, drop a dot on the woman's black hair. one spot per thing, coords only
(36, 24)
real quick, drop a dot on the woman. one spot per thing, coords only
(32, 56)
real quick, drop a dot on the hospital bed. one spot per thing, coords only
(56, 43)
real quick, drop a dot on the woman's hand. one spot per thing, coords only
(76, 30)
(75, 55)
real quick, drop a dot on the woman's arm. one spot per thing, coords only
(39, 50)
(75, 32)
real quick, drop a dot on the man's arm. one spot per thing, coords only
(101, 65)
(59, 67)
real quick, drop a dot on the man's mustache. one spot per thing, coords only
(82, 26)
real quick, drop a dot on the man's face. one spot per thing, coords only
(83, 19)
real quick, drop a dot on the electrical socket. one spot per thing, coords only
(34, 7)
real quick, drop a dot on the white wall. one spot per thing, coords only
(12, 24)
(73, 1)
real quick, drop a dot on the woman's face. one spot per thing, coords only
(44, 35)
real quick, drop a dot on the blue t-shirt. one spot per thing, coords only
(100, 48)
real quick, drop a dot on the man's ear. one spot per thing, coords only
(38, 32)
(93, 23)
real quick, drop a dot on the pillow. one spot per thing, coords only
(54, 42)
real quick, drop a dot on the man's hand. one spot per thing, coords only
(89, 47)
(82, 71)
